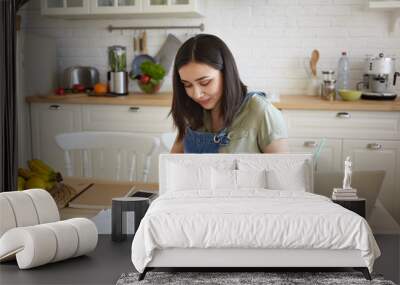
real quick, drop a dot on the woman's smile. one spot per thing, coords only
(204, 102)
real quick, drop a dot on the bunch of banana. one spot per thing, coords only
(39, 175)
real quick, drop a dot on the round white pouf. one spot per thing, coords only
(23, 208)
(46, 207)
(87, 234)
(7, 218)
(52, 242)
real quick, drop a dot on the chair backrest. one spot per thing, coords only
(167, 140)
(116, 152)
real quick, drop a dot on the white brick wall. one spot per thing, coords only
(270, 39)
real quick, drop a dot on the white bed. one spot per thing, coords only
(240, 210)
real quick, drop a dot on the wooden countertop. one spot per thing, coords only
(288, 102)
(303, 102)
(140, 99)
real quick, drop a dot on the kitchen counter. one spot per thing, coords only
(303, 102)
(296, 102)
(160, 99)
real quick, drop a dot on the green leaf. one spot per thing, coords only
(154, 70)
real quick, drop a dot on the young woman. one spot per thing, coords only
(212, 109)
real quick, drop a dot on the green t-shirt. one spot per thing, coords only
(256, 125)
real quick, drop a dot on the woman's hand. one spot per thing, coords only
(277, 146)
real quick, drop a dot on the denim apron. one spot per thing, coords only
(206, 142)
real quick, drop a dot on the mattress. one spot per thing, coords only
(250, 219)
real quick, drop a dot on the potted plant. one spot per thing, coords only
(151, 77)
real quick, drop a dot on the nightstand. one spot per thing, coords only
(357, 205)
(139, 205)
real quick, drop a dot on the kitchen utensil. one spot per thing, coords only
(135, 44)
(85, 75)
(349, 95)
(314, 86)
(141, 57)
(167, 52)
(379, 78)
(144, 42)
(313, 62)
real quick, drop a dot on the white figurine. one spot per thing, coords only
(347, 173)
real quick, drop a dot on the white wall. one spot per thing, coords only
(269, 38)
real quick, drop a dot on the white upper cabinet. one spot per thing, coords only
(170, 6)
(391, 6)
(115, 6)
(384, 4)
(65, 7)
(185, 8)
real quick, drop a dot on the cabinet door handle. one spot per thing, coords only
(54, 107)
(310, 144)
(374, 146)
(134, 109)
(343, 115)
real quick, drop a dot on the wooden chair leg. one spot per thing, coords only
(364, 271)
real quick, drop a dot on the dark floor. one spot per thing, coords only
(102, 266)
(110, 260)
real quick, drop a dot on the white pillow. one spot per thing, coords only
(237, 179)
(281, 173)
(223, 179)
(251, 178)
(294, 180)
(183, 177)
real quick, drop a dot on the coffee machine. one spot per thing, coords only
(379, 78)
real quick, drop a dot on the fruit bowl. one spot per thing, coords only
(150, 87)
(349, 95)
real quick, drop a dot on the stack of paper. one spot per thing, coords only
(344, 194)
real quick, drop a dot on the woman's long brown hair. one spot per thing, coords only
(210, 50)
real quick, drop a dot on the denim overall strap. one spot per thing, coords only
(207, 142)
(204, 142)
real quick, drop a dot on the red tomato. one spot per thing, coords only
(79, 87)
(144, 79)
(59, 91)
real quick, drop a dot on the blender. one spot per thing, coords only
(117, 76)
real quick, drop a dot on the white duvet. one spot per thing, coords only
(253, 218)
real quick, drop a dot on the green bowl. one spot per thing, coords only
(349, 95)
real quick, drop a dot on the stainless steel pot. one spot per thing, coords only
(85, 75)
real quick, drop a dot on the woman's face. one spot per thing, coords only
(202, 83)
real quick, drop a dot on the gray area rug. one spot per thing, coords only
(273, 278)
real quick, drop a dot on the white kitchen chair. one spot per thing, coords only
(167, 140)
(135, 150)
